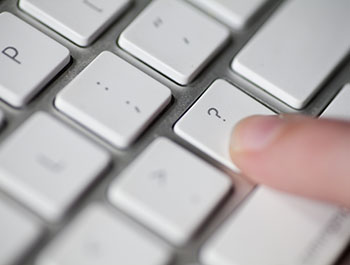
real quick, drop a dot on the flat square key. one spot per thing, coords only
(272, 227)
(235, 13)
(18, 233)
(113, 99)
(339, 108)
(209, 122)
(297, 50)
(99, 237)
(47, 166)
(28, 60)
(170, 190)
(80, 21)
(174, 38)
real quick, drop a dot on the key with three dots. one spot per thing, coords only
(28, 60)
(98, 236)
(80, 21)
(56, 165)
(170, 190)
(174, 38)
(119, 101)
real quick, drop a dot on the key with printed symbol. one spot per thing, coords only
(119, 100)
(18, 233)
(28, 60)
(235, 13)
(56, 165)
(97, 236)
(166, 196)
(339, 108)
(80, 21)
(272, 227)
(178, 48)
(209, 122)
(293, 68)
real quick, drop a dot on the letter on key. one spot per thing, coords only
(28, 60)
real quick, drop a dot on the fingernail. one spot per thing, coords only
(255, 133)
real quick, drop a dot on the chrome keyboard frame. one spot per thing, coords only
(183, 98)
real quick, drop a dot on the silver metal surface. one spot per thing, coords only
(183, 98)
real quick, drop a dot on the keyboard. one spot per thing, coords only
(115, 122)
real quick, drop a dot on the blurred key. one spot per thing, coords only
(28, 60)
(297, 50)
(276, 228)
(81, 21)
(99, 237)
(235, 13)
(47, 166)
(170, 190)
(174, 38)
(18, 233)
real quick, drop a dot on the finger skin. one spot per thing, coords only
(307, 156)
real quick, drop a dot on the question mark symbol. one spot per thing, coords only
(214, 111)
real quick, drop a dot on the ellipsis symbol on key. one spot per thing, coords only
(215, 112)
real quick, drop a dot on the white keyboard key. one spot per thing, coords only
(276, 228)
(28, 60)
(208, 124)
(99, 237)
(18, 233)
(114, 99)
(174, 38)
(339, 108)
(169, 190)
(235, 13)
(292, 58)
(81, 21)
(47, 166)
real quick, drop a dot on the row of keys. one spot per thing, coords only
(149, 189)
(303, 231)
(293, 67)
(58, 165)
(124, 108)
